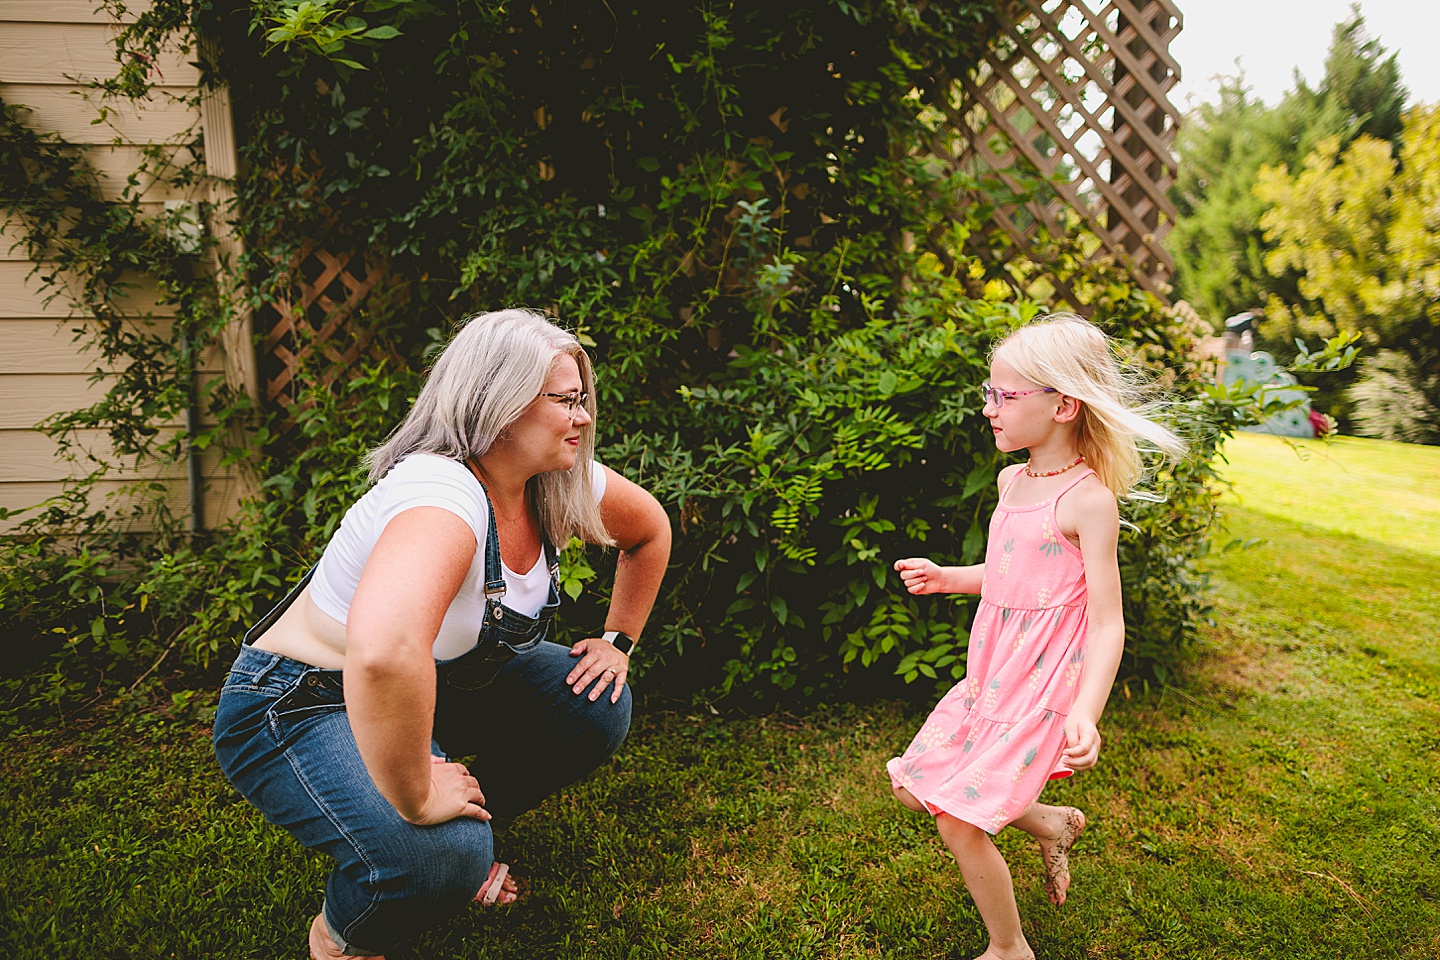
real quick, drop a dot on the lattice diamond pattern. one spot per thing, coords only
(1077, 92)
(312, 320)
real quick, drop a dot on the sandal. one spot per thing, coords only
(493, 891)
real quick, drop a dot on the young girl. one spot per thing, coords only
(1049, 631)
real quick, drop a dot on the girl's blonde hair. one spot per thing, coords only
(493, 368)
(1074, 356)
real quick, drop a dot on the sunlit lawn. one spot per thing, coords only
(1281, 801)
(1386, 492)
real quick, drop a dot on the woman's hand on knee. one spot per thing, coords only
(600, 664)
(453, 793)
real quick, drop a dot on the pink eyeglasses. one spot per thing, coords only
(998, 397)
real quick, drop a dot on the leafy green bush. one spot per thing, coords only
(740, 212)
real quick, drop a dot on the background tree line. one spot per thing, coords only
(1321, 212)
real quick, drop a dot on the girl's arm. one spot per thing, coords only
(641, 530)
(413, 573)
(922, 575)
(1097, 525)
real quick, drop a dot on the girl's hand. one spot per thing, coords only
(920, 575)
(453, 793)
(1083, 741)
(600, 662)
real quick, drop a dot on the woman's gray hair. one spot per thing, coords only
(490, 372)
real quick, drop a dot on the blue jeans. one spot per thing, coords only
(283, 740)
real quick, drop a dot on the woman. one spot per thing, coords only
(420, 636)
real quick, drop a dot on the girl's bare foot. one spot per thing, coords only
(323, 946)
(992, 954)
(1055, 854)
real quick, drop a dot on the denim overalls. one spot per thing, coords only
(283, 740)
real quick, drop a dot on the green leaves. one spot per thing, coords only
(1355, 227)
(327, 28)
(773, 277)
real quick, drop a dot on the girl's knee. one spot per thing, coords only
(906, 798)
(953, 831)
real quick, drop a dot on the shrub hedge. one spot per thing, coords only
(738, 207)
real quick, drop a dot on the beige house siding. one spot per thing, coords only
(48, 50)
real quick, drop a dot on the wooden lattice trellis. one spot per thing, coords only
(1072, 90)
(308, 321)
(1077, 92)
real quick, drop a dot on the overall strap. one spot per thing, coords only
(268, 621)
(494, 573)
(552, 557)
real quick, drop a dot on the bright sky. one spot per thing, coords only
(1273, 37)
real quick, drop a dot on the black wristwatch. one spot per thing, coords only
(621, 640)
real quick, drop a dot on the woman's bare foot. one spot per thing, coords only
(1055, 854)
(323, 946)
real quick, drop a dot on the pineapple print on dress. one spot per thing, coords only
(1024, 766)
(910, 774)
(1005, 721)
(1025, 621)
(992, 695)
(1052, 545)
(930, 735)
(1008, 551)
(1033, 682)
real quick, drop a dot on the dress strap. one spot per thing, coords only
(1005, 494)
(1072, 484)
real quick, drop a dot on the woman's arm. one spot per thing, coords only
(412, 575)
(1097, 525)
(641, 530)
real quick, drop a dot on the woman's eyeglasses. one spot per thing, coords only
(570, 401)
(998, 397)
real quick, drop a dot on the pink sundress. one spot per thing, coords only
(995, 739)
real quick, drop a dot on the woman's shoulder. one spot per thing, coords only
(424, 479)
(420, 465)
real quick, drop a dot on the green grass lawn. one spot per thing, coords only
(1386, 492)
(1280, 801)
